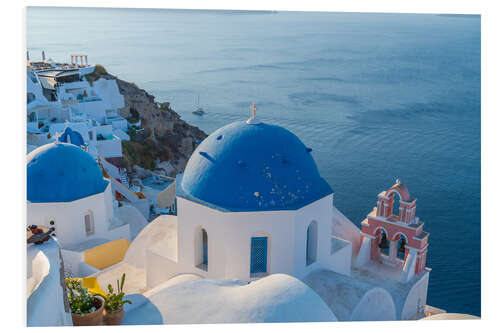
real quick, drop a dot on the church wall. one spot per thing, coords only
(416, 299)
(229, 237)
(277, 226)
(190, 217)
(340, 260)
(321, 212)
(69, 217)
(376, 305)
(344, 228)
(159, 268)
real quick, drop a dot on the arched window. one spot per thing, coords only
(401, 250)
(89, 223)
(383, 242)
(201, 255)
(204, 241)
(312, 243)
(395, 203)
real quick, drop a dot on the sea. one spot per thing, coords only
(378, 97)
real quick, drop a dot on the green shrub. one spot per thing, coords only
(134, 116)
(98, 72)
(80, 300)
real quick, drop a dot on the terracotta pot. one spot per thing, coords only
(113, 318)
(90, 319)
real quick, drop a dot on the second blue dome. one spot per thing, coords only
(62, 172)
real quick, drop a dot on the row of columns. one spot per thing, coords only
(406, 210)
(74, 59)
(393, 250)
(413, 260)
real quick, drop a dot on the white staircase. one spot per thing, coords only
(124, 178)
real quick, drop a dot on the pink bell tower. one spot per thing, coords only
(393, 226)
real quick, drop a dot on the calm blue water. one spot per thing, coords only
(377, 96)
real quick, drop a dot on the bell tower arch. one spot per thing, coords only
(395, 237)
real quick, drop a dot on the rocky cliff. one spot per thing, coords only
(161, 141)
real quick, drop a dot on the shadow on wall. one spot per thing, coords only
(141, 311)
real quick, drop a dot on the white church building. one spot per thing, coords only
(252, 203)
(66, 190)
(252, 210)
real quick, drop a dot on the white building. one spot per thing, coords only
(66, 190)
(99, 140)
(46, 305)
(256, 238)
(251, 204)
(258, 183)
(60, 96)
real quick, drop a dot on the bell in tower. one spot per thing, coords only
(402, 245)
(383, 242)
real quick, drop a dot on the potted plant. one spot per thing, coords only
(86, 309)
(113, 304)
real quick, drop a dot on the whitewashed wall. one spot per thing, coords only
(108, 90)
(95, 109)
(416, 299)
(319, 211)
(376, 305)
(109, 148)
(230, 233)
(229, 237)
(36, 89)
(69, 217)
(340, 259)
(45, 293)
(119, 123)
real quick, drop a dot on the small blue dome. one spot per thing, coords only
(62, 172)
(74, 137)
(252, 167)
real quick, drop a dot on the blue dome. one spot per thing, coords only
(74, 137)
(252, 167)
(62, 172)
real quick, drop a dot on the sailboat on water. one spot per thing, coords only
(199, 110)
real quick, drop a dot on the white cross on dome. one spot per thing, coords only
(253, 119)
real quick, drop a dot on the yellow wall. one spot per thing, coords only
(107, 254)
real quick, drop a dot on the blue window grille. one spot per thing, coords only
(258, 259)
